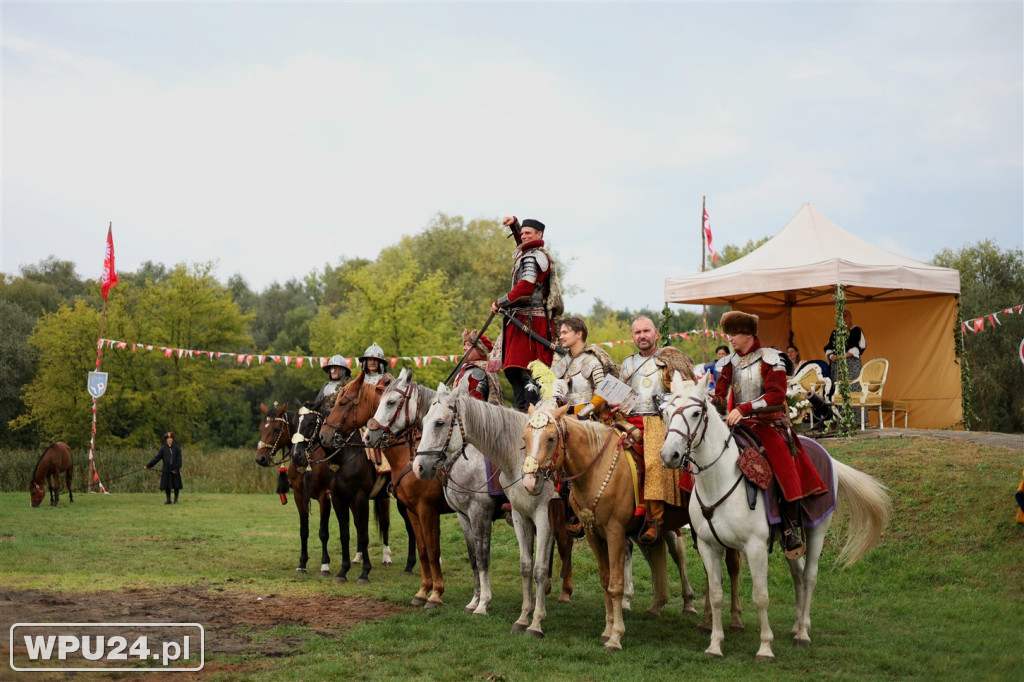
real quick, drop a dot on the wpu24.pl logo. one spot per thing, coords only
(134, 647)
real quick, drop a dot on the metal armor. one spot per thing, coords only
(747, 379)
(645, 377)
(529, 265)
(582, 374)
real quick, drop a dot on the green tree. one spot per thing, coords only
(991, 280)
(15, 367)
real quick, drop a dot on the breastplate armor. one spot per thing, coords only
(373, 379)
(578, 373)
(530, 265)
(644, 376)
(747, 381)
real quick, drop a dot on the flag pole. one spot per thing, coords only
(704, 307)
(109, 273)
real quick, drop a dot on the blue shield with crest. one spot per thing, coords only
(97, 384)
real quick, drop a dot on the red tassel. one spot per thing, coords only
(640, 511)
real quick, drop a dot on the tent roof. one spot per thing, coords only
(806, 260)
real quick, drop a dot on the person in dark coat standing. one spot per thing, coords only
(170, 455)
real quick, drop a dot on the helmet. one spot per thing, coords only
(335, 361)
(373, 351)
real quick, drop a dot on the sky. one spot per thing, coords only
(274, 138)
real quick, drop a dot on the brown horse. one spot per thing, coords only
(55, 460)
(424, 500)
(603, 497)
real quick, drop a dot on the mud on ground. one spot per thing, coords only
(236, 623)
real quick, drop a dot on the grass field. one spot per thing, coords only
(942, 596)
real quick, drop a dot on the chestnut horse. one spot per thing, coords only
(55, 460)
(424, 500)
(592, 454)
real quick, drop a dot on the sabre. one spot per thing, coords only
(470, 349)
(551, 345)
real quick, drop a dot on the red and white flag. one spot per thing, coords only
(707, 235)
(109, 276)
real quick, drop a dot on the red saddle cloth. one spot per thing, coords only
(796, 475)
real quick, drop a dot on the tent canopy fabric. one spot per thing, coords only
(907, 309)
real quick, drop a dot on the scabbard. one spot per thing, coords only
(521, 326)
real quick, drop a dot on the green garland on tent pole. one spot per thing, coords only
(664, 322)
(969, 417)
(845, 424)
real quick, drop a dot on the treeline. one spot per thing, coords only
(414, 299)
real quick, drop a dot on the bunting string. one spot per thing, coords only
(318, 362)
(977, 324)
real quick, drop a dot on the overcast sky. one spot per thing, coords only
(274, 138)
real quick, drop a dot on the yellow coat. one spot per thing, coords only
(1020, 512)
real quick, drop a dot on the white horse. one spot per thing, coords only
(456, 421)
(402, 406)
(699, 439)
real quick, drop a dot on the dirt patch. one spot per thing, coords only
(236, 623)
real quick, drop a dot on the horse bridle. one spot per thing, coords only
(274, 447)
(538, 421)
(405, 402)
(694, 437)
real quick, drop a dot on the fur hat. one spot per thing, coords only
(169, 434)
(535, 224)
(483, 344)
(736, 322)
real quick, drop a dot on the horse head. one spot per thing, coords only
(544, 437)
(307, 425)
(275, 433)
(397, 411)
(37, 493)
(689, 417)
(442, 434)
(343, 419)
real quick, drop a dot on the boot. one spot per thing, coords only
(506, 511)
(652, 529)
(792, 540)
(168, 497)
(175, 497)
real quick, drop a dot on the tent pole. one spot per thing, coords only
(704, 307)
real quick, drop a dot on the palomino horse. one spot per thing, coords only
(276, 434)
(55, 460)
(455, 421)
(605, 500)
(424, 500)
(353, 482)
(465, 481)
(699, 440)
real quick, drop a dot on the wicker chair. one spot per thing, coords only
(810, 380)
(872, 381)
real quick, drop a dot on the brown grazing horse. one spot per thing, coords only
(604, 499)
(55, 460)
(424, 500)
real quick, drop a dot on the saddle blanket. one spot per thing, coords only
(816, 507)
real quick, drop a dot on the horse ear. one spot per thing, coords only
(442, 391)
(263, 408)
(560, 412)
(281, 410)
(529, 409)
(297, 402)
(702, 385)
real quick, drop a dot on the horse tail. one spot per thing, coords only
(381, 510)
(868, 507)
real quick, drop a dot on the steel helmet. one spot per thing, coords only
(335, 361)
(373, 351)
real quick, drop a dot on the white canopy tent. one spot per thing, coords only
(907, 309)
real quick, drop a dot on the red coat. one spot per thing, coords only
(518, 349)
(794, 471)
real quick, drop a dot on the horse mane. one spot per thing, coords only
(35, 469)
(504, 426)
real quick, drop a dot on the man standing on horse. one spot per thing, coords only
(757, 378)
(339, 375)
(372, 362)
(649, 373)
(480, 383)
(534, 300)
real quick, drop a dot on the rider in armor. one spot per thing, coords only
(480, 383)
(649, 373)
(581, 370)
(372, 363)
(756, 376)
(533, 282)
(339, 375)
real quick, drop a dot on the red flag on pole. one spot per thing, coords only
(109, 277)
(707, 235)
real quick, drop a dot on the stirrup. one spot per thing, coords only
(651, 533)
(794, 546)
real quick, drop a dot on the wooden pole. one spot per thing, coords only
(704, 307)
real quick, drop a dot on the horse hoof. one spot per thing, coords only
(703, 627)
(409, 572)
(468, 610)
(604, 638)
(387, 563)
(715, 656)
(692, 611)
(340, 579)
(418, 601)
(323, 574)
(564, 599)
(517, 628)
(432, 604)
(803, 643)
(363, 581)
(536, 634)
(735, 628)
(613, 646)
(300, 569)
(764, 658)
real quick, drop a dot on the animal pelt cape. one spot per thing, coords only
(673, 360)
(555, 304)
(609, 365)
